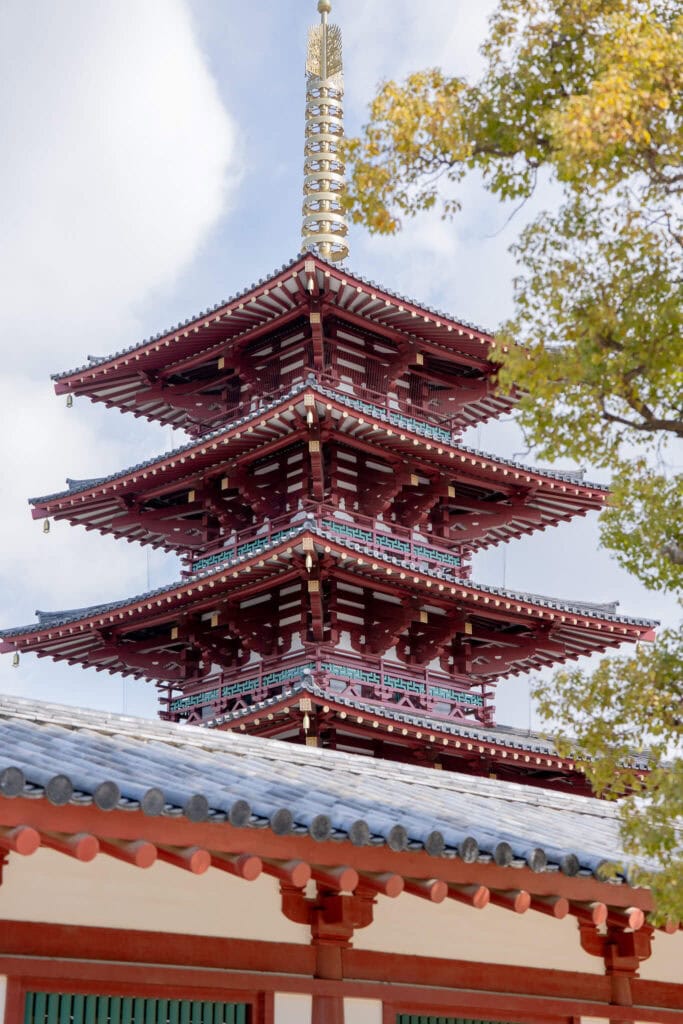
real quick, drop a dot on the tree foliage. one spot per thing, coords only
(590, 93)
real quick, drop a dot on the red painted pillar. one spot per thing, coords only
(328, 942)
(327, 1010)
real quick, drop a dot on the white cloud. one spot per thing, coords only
(120, 160)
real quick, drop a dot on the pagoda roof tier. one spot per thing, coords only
(314, 584)
(339, 672)
(165, 500)
(176, 376)
(400, 734)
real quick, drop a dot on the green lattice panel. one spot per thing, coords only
(285, 674)
(474, 699)
(346, 530)
(182, 703)
(357, 674)
(235, 689)
(393, 544)
(436, 556)
(68, 1008)
(400, 547)
(407, 685)
(248, 548)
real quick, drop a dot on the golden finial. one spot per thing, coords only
(324, 226)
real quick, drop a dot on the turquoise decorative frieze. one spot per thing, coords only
(285, 674)
(360, 675)
(391, 543)
(243, 686)
(402, 683)
(396, 419)
(407, 685)
(346, 530)
(244, 550)
(368, 677)
(475, 700)
(184, 703)
(443, 557)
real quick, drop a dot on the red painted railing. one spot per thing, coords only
(393, 402)
(380, 683)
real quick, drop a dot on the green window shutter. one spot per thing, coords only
(68, 1008)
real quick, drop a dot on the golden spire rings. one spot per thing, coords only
(324, 226)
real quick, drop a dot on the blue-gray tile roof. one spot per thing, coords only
(72, 755)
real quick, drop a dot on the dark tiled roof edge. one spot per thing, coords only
(60, 618)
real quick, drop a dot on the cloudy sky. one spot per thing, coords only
(153, 155)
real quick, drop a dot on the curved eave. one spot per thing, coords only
(272, 717)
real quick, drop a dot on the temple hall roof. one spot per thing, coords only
(74, 486)
(494, 484)
(170, 378)
(504, 736)
(49, 619)
(70, 755)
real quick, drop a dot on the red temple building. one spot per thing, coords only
(325, 511)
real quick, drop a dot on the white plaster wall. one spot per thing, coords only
(666, 962)
(450, 930)
(292, 1008)
(3, 994)
(362, 1011)
(50, 887)
(601, 1020)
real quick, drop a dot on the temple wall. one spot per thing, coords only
(361, 1011)
(492, 935)
(291, 1008)
(107, 893)
(48, 887)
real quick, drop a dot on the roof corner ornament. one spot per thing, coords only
(324, 228)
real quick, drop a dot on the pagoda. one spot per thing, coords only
(325, 511)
